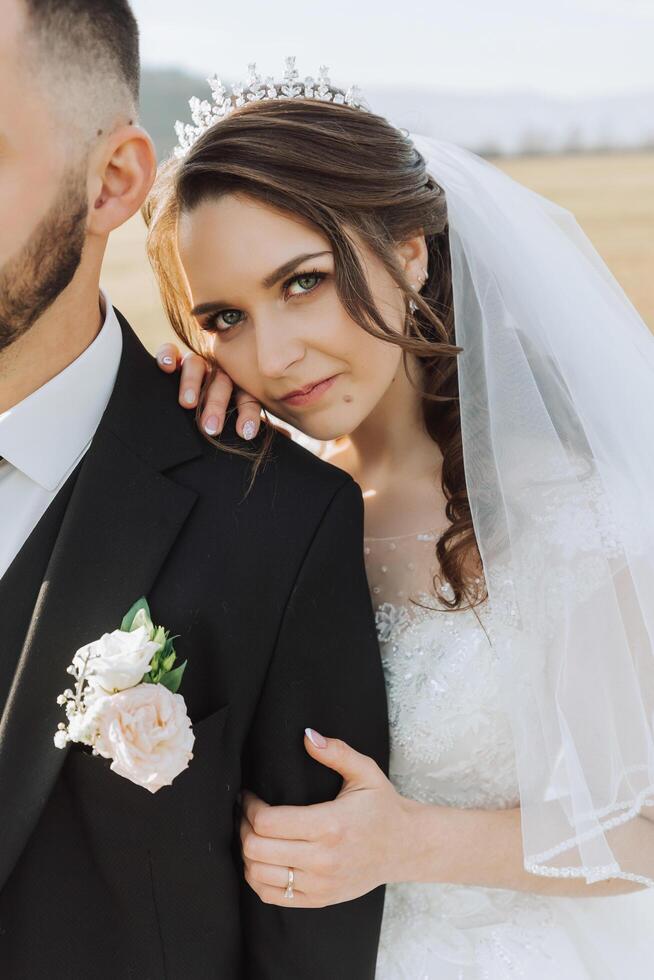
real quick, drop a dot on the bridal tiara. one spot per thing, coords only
(255, 89)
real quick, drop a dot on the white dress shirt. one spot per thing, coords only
(43, 437)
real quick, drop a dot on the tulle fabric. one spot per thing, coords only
(557, 410)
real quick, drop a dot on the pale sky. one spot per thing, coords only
(568, 48)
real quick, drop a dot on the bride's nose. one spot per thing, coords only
(278, 347)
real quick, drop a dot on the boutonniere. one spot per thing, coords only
(125, 704)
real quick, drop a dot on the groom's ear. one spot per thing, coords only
(121, 172)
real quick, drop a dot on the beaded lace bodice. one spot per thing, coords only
(450, 741)
(451, 745)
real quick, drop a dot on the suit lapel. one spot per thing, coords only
(123, 518)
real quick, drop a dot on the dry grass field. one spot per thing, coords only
(612, 196)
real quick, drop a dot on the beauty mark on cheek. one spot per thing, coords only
(347, 398)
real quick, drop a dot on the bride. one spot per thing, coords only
(497, 393)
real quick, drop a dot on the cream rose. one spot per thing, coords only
(117, 660)
(146, 732)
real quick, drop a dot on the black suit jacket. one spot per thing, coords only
(267, 593)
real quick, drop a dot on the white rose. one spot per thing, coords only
(117, 660)
(142, 619)
(147, 733)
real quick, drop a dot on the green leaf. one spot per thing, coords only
(173, 678)
(128, 619)
(167, 664)
(168, 648)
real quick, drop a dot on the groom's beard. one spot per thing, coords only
(32, 280)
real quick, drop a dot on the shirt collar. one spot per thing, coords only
(46, 434)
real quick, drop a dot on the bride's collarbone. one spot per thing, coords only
(395, 506)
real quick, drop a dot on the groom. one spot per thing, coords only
(107, 494)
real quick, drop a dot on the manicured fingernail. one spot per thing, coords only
(315, 738)
(249, 429)
(211, 426)
(189, 396)
(167, 360)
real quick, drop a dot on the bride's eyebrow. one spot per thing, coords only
(270, 280)
(288, 267)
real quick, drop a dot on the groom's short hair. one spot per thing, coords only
(89, 51)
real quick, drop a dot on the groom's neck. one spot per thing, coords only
(58, 338)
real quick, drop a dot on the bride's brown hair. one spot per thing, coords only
(343, 170)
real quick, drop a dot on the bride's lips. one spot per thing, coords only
(310, 394)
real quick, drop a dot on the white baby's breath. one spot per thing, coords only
(60, 739)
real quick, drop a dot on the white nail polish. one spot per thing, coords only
(189, 396)
(315, 738)
(249, 430)
(167, 360)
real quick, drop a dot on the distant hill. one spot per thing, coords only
(164, 99)
(504, 124)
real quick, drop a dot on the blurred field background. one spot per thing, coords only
(611, 194)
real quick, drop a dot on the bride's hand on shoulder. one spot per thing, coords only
(338, 850)
(193, 369)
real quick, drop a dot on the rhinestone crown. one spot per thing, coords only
(256, 89)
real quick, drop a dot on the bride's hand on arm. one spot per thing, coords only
(339, 850)
(370, 835)
(193, 369)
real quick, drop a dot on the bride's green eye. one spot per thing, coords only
(306, 283)
(231, 317)
(223, 321)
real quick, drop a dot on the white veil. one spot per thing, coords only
(557, 409)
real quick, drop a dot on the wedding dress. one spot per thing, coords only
(543, 696)
(452, 745)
